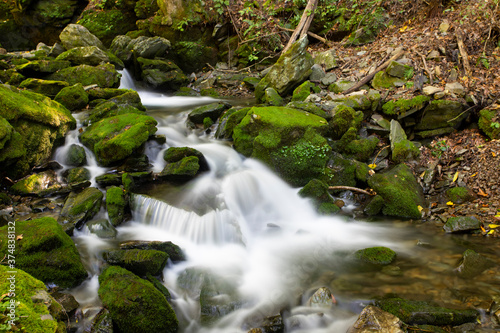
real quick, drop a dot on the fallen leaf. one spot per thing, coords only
(493, 153)
(482, 229)
(481, 193)
(491, 232)
(493, 226)
(372, 166)
(449, 203)
(420, 208)
(19, 237)
(474, 175)
(455, 177)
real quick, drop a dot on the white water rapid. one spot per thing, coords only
(242, 223)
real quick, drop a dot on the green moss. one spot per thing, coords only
(343, 119)
(187, 167)
(176, 154)
(78, 175)
(420, 312)
(116, 204)
(376, 255)
(105, 76)
(135, 303)
(304, 90)
(46, 252)
(107, 24)
(6, 131)
(308, 107)
(271, 97)
(228, 122)
(382, 80)
(404, 150)
(317, 191)
(405, 106)
(73, 97)
(459, 194)
(212, 111)
(41, 184)
(489, 123)
(106, 93)
(115, 138)
(79, 208)
(361, 149)
(41, 67)
(374, 206)
(140, 262)
(128, 182)
(400, 190)
(28, 312)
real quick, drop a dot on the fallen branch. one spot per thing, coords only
(350, 188)
(305, 22)
(425, 67)
(463, 52)
(313, 35)
(367, 78)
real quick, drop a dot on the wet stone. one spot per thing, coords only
(462, 224)
(473, 264)
(321, 298)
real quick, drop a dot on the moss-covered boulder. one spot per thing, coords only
(212, 111)
(116, 205)
(374, 205)
(135, 304)
(192, 56)
(161, 74)
(228, 121)
(46, 252)
(78, 176)
(75, 156)
(441, 114)
(139, 262)
(489, 123)
(344, 117)
(76, 35)
(288, 140)
(185, 169)
(45, 87)
(304, 90)
(405, 107)
(73, 97)
(271, 97)
(174, 251)
(425, 313)
(79, 208)
(379, 255)
(40, 184)
(361, 149)
(106, 93)
(35, 124)
(317, 191)
(400, 190)
(36, 311)
(357, 100)
(462, 224)
(460, 194)
(39, 68)
(105, 76)
(291, 69)
(326, 59)
(115, 138)
(308, 107)
(85, 55)
(128, 102)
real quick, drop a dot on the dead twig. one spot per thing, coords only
(367, 78)
(463, 52)
(425, 66)
(350, 188)
(313, 35)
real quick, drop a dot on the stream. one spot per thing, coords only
(241, 222)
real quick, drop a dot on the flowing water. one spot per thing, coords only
(243, 224)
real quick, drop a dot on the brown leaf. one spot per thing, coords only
(481, 193)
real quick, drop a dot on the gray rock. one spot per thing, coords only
(397, 69)
(75, 35)
(329, 79)
(317, 73)
(455, 88)
(321, 298)
(85, 55)
(326, 59)
(102, 228)
(149, 47)
(441, 114)
(431, 90)
(272, 97)
(462, 224)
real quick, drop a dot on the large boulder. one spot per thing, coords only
(128, 102)
(85, 55)
(291, 69)
(32, 124)
(46, 252)
(161, 74)
(73, 97)
(40, 312)
(141, 47)
(289, 141)
(400, 190)
(105, 76)
(45, 87)
(79, 208)
(135, 304)
(115, 138)
(76, 35)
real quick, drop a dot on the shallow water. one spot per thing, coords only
(241, 222)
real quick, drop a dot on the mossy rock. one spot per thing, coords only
(341, 171)
(304, 90)
(344, 117)
(78, 175)
(89, 55)
(271, 97)
(212, 111)
(161, 74)
(424, 313)
(462, 224)
(361, 149)
(79, 208)
(110, 108)
(105, 76)
(317, 191)
(404, 150)
(102, 228)
(46, 252)
(379, 255)
(185, 169)
(489, 123)
(228, 121)
(39, 68)
(441, 114)
(73, 97)
(288, 140)
(309, 107)
(106, 93)
(32, 314)
(192, 56)
(405, 107)
(176, 154)
(341, 86)
(115, 138)
(357, 100)
(400, 190)
(45, 87)
(106, 24)
(174, 251)
(460, 195)
(135, 304)
(399, 70)
(116, 205)
(374, 206)
(40, 184)
(382, 80)
(139, 262)
(75, 156)
(473, 264)
(109, 179)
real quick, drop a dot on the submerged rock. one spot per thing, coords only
(102, 228)
(424, 313)
(212, 111)
(473, 264)
(376, 255)
(135, 304)
(46, 252)
(317, 191)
